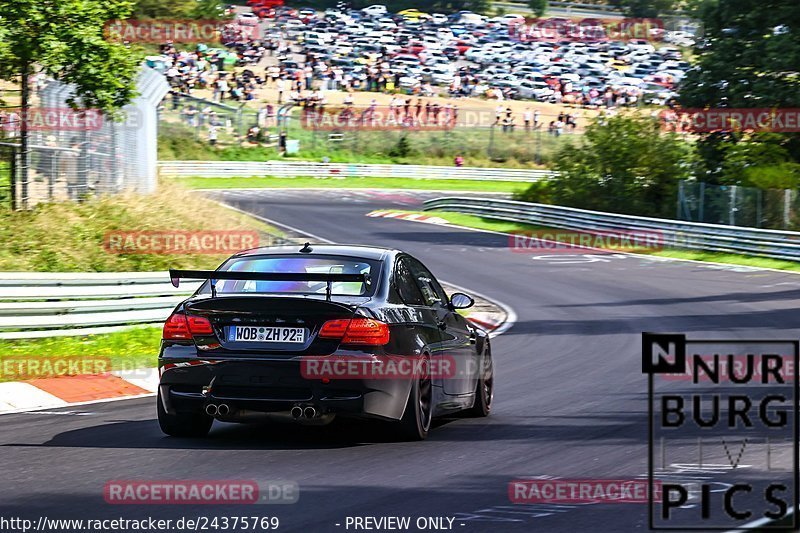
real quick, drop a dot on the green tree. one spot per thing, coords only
(624, 164)
(208, 9)
(538, 7)
(644, 8)
(178, 9)
(748, 58)
(762, 161)
(64, 39)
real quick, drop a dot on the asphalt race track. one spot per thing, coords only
(570, 395)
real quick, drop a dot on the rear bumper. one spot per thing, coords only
(275, 387)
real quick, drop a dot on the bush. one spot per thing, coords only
(624, 164)
(402, 148)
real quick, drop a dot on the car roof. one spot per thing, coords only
(349, 250)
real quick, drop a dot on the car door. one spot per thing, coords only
(458, 338)
(425, 318)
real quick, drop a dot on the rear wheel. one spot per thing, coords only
(416, 421)
(484, 391)
(183, 424)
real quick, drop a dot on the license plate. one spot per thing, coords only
(266, 334)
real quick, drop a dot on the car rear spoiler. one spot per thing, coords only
(214, 275)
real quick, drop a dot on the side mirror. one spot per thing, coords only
(459, 300)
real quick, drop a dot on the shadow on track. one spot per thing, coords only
(145, 434)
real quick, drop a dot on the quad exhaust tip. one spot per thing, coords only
(217, 410)
(299, 412)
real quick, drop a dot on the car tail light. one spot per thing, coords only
(176, 328)
(179, 327)
(356, 331)
(199, 325)
(334, 329)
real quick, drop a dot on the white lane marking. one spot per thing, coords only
(17, 396)
(90, 402)
(570, 259)
(144, 378)
(279, 224)
(65, 413)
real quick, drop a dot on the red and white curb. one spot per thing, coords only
(485, 320)
(60, 391)
(403, 215)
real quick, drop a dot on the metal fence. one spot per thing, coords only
(695, 236)
(735, 205)
(205, 119)
(439, 132)
(469, 132)
(230, 169)
(75, 154)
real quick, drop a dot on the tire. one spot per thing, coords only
(484, 390)
(183, 424)
(416, 421)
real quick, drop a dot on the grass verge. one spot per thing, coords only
(128, 349)
(357, 183)
(71, 236)
(472, 221)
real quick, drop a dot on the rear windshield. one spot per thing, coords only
(298, 264)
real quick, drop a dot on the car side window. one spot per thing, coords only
(406, 287)
(430, 288)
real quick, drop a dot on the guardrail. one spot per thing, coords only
(291, 169)
(35, 305)
(774, 244)
(42, 304)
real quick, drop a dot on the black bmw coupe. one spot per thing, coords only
(313, 333)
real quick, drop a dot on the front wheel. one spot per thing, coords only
(484, 391)
(183, 424)
(416, 421)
